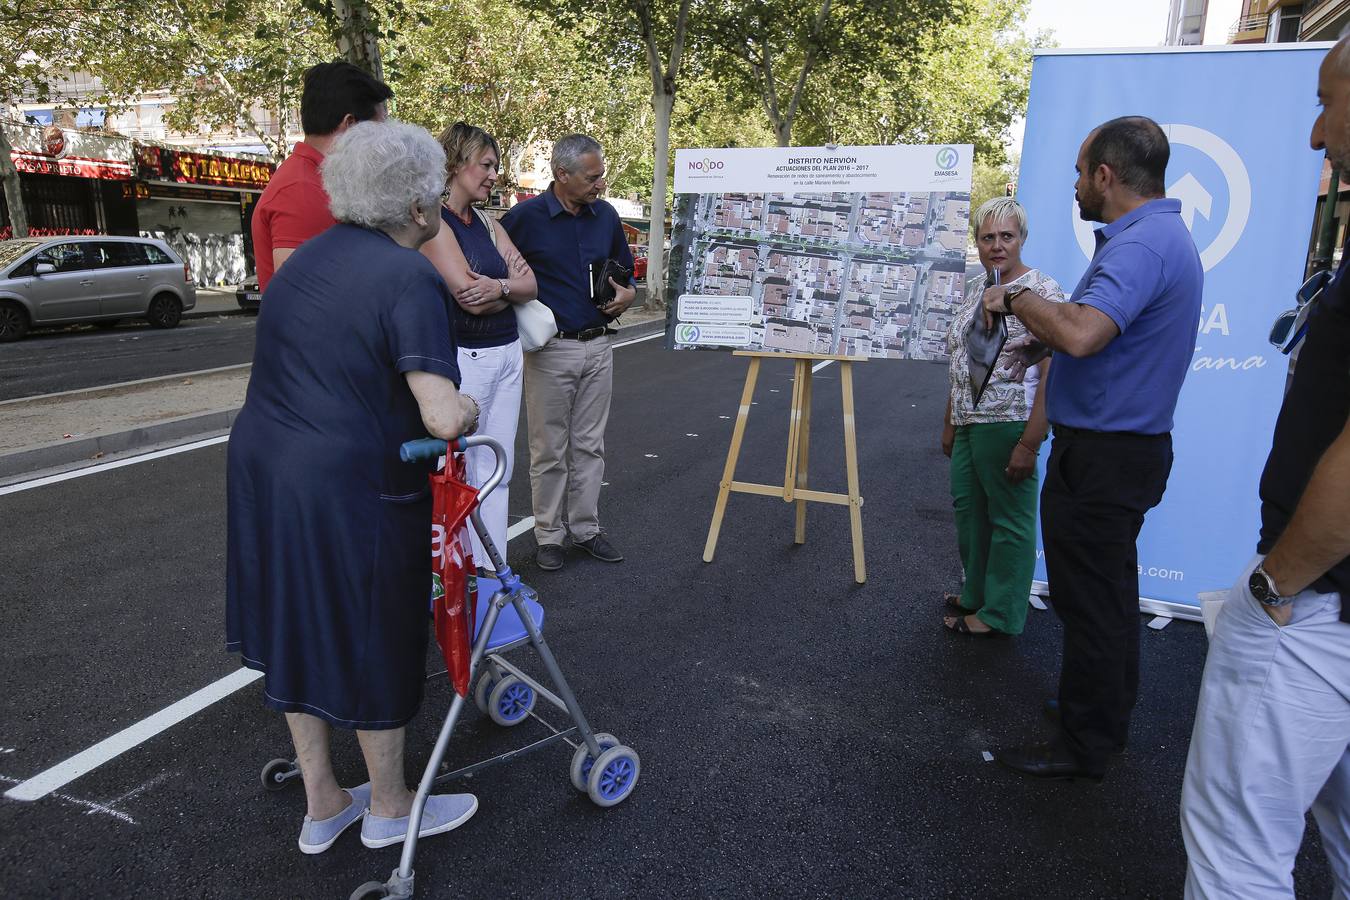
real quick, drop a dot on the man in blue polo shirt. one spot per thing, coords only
(566, 234)
(1125, 340)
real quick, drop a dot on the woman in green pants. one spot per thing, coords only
(993, 446)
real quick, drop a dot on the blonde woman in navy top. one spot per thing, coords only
(487, 277)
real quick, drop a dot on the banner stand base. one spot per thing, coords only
(1147, 607)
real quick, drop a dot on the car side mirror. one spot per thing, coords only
(44, 269)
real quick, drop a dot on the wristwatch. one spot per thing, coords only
(1013, 292)
(506, 288)
(1263, 589)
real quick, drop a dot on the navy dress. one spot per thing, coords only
(329, 552)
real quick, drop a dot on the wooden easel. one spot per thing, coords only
(793, 489)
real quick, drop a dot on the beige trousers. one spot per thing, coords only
(567, 390)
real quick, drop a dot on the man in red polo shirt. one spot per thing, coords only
(294, 208)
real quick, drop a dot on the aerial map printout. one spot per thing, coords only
(853, 251)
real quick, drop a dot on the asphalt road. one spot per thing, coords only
(800, 736)
(84, 356)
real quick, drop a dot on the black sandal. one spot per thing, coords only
(953, 602)
(960, 627)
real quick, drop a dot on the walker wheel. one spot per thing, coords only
(613, 776)
(481, 689)
(370, 890)
(510, 701)
(276, 773)
(582, 760)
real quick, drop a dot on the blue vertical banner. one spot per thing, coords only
(1238, 120)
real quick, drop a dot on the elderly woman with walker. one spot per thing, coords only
(328, 550)
(993, 443)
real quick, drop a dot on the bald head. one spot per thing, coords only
(1338, 57)
(1331, 131)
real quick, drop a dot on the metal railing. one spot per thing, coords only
(1248, 23)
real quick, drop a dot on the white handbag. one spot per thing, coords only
(534, 320)
(536, 325)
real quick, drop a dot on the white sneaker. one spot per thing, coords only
(443, 813)
(317, 835)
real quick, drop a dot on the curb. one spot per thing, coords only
(77, 453)
(71, 454)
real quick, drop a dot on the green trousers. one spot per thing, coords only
(995, 524)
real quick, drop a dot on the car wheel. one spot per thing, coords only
(165, 311)
(13, 322)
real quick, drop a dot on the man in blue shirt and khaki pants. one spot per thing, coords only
(1125, 342)
(566, 234)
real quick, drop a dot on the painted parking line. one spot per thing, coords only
(109, 466)
(64, 773)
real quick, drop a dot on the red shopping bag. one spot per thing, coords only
(454, 595)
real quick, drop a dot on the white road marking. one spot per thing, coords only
(820, 365)
(93, 807)
(63, 773)
(520, 528)
(109, 466)
(638, 340)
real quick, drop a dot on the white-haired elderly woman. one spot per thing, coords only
(329, 569)
(993, 446)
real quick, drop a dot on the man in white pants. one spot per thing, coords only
(1272, 730)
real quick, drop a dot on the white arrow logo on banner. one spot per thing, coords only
(1195, 198)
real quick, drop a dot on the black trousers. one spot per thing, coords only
(1098, 486)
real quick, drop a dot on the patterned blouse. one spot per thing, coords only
(1004, 400)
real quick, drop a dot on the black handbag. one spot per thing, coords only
(602, 292)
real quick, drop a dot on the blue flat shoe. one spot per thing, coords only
(443, 812)
(317, 835)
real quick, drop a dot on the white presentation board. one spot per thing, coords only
(859, 251)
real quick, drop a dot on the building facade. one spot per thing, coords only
(84, 181)
(1186, 23)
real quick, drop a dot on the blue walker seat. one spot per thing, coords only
(509, 628)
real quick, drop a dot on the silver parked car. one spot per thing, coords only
(60, 280)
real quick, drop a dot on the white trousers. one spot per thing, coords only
(493, 376)
(1271, 741)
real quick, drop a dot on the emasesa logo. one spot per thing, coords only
(947, 159)
(706, 165)
(687, 334)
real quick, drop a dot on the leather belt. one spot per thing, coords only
(587, 334)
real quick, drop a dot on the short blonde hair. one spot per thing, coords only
(378, 170)
(1000, 208)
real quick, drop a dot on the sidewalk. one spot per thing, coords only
(72, 429)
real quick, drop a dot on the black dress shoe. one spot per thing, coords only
(1050, 760)
(549, 557)
(600, 547)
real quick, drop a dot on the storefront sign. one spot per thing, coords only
(187, 167)
(79, 154)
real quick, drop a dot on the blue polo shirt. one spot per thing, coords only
(1146, 275)
(559, 246)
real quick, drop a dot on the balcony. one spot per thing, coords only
(1324, 19)
(1249, 30)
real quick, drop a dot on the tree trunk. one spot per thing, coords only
(663, 102)
(357, 41)
(18, 216)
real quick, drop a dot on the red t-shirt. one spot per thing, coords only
(293, 209)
